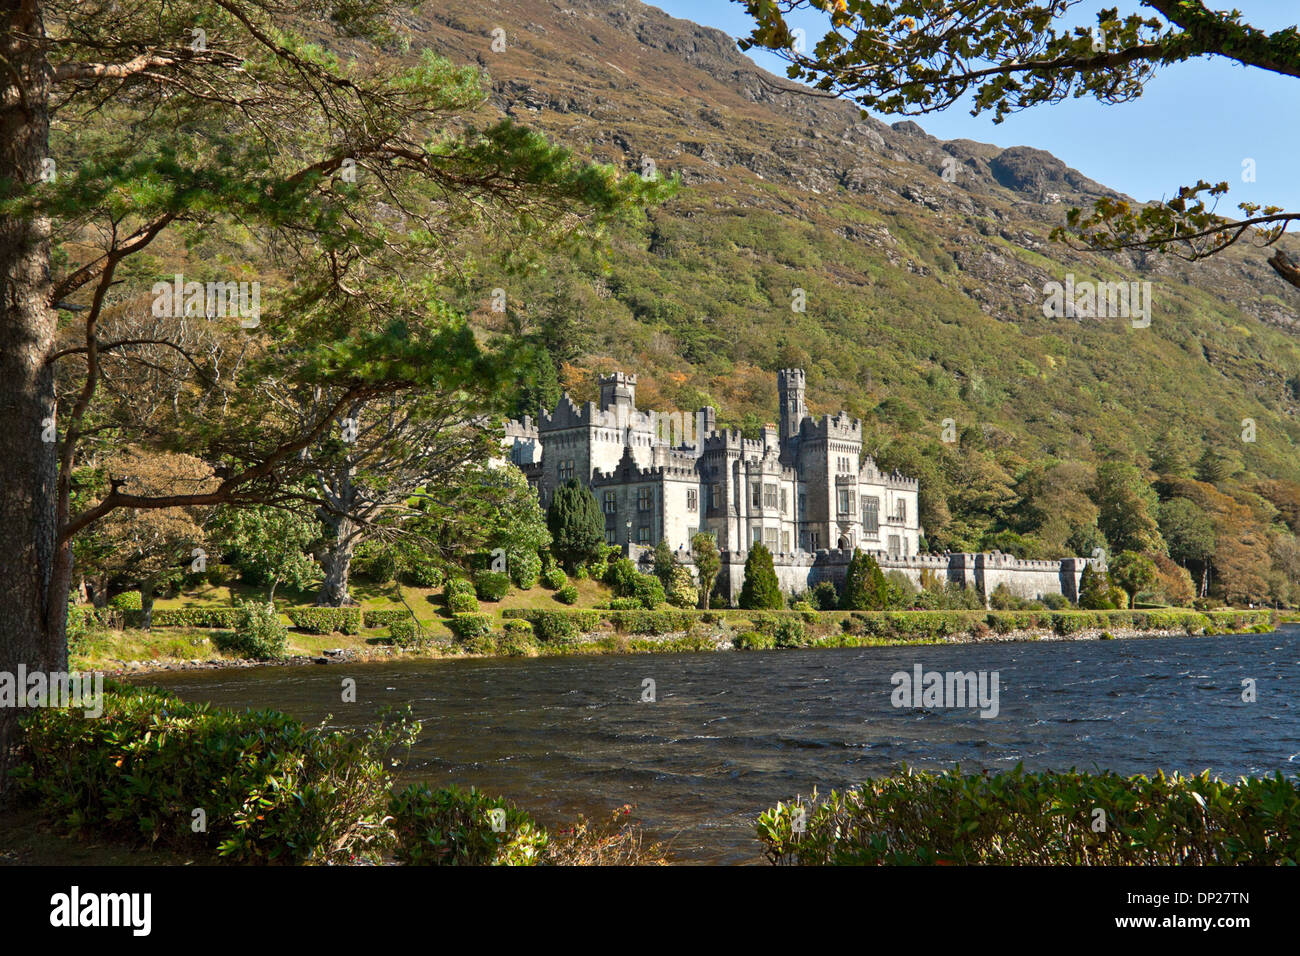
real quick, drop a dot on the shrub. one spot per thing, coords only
(824, 596)
(516, 638)
(753, 641)
(567, 594)
(211, 617)
(790, 632)
(1002, 599)
(554, 579)
(460, 597)
(1020, 819)
(621, 576)
(76, 627)
(557, 627)
(614, 842)
(473, 632)
(273, 790)
(648, 591)
(865, 587)
(453, 827)
(760, 589)
(258, 633)
(524, 569)
(405, 633)
(126, 601)
(491, 585)
(681, 590)
(576, 524)
(420, 571)
(624, 604)
(651, 622)
(806, 611)
(1095, 589)
(384, 617)
(326, 620)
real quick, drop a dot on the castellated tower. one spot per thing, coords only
(790, 388)
(617, 390)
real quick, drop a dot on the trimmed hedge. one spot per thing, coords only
(556, 627)
(652, 622)
(385, 618)
(326, 620)
(213, 617)
(936, 625)
(1027, 819)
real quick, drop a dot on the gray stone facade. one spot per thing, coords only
(805, 489)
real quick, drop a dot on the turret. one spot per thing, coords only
(790, 386)
(617, 390)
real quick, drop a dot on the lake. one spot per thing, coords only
(729, 734)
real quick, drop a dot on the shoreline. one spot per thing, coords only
(596, 644)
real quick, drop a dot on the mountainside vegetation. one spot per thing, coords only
(907, 276)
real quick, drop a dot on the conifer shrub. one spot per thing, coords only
(760, 590)
(865, 587)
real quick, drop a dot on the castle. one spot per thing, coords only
(804, 489)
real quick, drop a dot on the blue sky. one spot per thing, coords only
(1196, 120)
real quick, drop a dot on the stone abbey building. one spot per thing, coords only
(804, 489)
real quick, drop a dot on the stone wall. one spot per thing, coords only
(800, 571)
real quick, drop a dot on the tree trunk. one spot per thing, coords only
(33, 609)
(336, 562)
(146, 605)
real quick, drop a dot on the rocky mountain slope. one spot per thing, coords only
(922, 261)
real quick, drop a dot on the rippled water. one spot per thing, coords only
(732, 733)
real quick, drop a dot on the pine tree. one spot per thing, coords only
(865, 587)
(760, 592)
(577, 527)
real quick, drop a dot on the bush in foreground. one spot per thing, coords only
(454, 827)
(1021, 818)
(270, 789)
